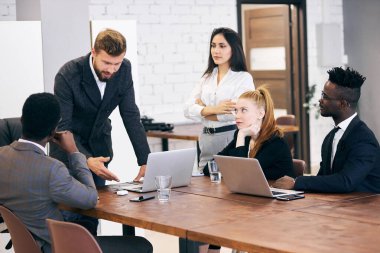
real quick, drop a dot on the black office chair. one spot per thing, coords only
(10, 130)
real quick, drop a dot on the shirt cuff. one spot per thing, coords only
(225, 117)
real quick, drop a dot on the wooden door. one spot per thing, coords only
(267, 45)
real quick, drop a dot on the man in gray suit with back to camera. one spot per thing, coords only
(32, 184)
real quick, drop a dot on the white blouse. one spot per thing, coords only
(232, 85)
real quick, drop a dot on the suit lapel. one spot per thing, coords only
(341, 145)
(351, 126)
(110, 91)
(89, 84)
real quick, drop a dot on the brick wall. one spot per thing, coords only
(173, 43)
(173, 37)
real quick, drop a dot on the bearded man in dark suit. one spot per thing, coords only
(88, 89)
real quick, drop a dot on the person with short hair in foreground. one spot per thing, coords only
(32, 184)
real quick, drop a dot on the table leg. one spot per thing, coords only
(188, 246)
(198, 152)
(128, 230)
(165, 144)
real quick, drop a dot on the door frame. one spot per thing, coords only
(300, 74)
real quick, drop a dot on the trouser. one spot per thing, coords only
(212, 144)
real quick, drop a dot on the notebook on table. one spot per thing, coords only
(176, 163)
(245, 175)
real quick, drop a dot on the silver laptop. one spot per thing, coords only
(244, 175)
(176, 163)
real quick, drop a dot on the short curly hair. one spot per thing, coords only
(40, 116)
(348, 81)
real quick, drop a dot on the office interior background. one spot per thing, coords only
(172, 48)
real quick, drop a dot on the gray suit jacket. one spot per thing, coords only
(86, 114)
(32, 184)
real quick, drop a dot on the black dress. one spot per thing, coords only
(274, 156)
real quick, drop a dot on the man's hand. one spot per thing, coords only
(65, 140)
(141, 173)
(96, 165)
(285, 182)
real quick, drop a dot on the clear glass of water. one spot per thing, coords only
(215, 175)
(163, 184)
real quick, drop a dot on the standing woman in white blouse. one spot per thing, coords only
(213, 99)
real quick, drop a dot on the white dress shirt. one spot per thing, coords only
(35, 144)
(232, 85)
(101, 85)
(338, 135)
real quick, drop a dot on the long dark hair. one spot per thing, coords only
(237, 61)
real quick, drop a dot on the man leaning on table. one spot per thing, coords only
(32, 184)
(350, 152)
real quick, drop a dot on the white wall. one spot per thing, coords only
(320, 12)
(362, 40)
(20, 65)
(173, 48)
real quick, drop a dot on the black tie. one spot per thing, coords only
(329, 146)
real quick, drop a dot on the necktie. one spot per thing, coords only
(329, 147)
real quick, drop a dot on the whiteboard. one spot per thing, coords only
(21, 65)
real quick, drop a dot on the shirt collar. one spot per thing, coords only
(344, 124)
(35, 144)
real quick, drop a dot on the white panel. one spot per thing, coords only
(268, 58)
(329, 48)
(20, 64)
(124, 163)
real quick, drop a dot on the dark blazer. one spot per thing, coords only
(86, 114)
(32, 184)
(356, 165)
(274, 156)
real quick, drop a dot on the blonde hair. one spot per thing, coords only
(262, 98)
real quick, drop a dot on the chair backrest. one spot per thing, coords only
(289, 119)
(10, 130)
(299, 167)
(71, 237)
(22, 239)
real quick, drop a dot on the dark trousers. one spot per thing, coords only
(127, 230)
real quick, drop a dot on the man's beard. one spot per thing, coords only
(100, 76)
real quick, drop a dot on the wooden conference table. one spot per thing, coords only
(209, 213)
(191, 132)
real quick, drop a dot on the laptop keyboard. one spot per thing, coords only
(134, 183)
(277, 193)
